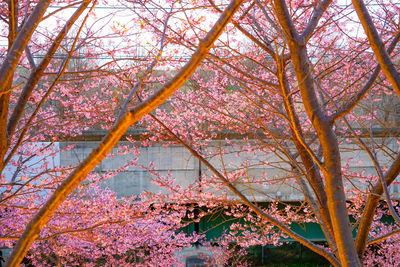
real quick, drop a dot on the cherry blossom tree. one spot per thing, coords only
(298, 82)
(52, 99)
(301, 83)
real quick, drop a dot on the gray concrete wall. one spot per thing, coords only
(177, 161)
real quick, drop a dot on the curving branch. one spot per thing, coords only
(148, 70)
(10, 64)
(372, 203)
(319, 10)
(32, 82)
(336, 199)
(39, 70)
(308, 158)
(348, 106)
(317, 249)
(110, 140)
(266, 47)
(72, 231)
(377, 45)
(383, 237)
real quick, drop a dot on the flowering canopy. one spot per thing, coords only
(307, 86)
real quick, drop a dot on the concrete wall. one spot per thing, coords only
(174, 159)
(177, 161)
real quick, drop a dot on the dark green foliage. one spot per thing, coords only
(290, 254)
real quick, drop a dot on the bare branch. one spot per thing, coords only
(382, 238)
(10, 64)
(334, 187)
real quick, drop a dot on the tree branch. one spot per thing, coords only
(317, 249)
(148, 70)
(371, 204)
(348, 106)
(37, 73)
(110, 140)
(319, 10)
(377, 45)
(383, 237)
(334, 187)
(10, 64)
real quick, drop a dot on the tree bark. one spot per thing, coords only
(372, 203)
(9, 65)
(377, 45)
(39, 70)
(332, 163)
(33, 229)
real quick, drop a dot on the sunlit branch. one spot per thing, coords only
(382, 238)
(38, 71)
(254, 207)
(148, 70)
(377, 45)
(319, 9)
(114, 135)
(349, 105)
(35, 79)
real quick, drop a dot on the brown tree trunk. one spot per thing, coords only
(18, 43)
(372, 203)
(332, 166)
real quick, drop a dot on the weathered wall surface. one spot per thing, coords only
(174, 159)
(177, 161)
